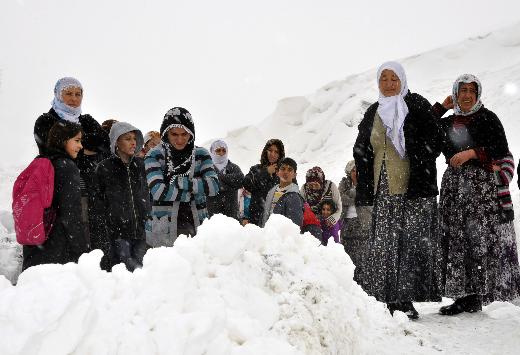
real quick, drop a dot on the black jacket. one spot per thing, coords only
(94, 137)
(126, 197)
(423, 140)
(485, 134)
(66, 241)
(258, 181)
(226, 202)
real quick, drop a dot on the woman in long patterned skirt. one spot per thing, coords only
(395, 152)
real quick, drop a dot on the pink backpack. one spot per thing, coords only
(32, 199)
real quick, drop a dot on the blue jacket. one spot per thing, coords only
(202, 181)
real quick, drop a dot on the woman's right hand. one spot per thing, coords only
(271, 169)
(448, 103)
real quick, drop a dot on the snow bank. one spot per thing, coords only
(230, 290)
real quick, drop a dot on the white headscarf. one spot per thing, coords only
(393, 109)
(66, 112)
(466, 79)
(220, 161)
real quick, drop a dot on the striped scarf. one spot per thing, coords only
(503, 178)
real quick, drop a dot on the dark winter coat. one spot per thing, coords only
(226, 202)
(289, 205)
(485, 135)
(66, 241)
(423, 140)
(94, 137)
(126, 197)
(258, 181)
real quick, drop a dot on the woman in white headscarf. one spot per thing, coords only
(230, 179)
(475, 218)
(395, 152)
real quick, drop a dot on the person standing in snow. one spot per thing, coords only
(67, 239)
(66, 107)
(327, 208)
(262, 178)
(180, 177)
(230, 179)
(470, 213)
(124, 191)
(284, 198)
(356, 221)
(395, 152)
(317, 189)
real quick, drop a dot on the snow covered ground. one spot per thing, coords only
(234, 290)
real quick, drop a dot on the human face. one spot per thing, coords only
(152, 143)
(467, 96)
(286, 174)
(353, 176)
(73, 146)
(273, 154)
(314, 185)
(72, 96)
(126, 144)
(326, 210)
(389, 83)
(178, 137)
(221, 151)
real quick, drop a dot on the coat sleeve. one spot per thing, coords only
(431, 134)
(364, 158)
(207, 180)
(102, 176)
(292, 208)
(336, 197)
(160, 191)
(233, 179)
(95, 138)
(68, 201)
(42, 126)
(258, 181)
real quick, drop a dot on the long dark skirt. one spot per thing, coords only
(354, 236)
(403, 261)
(506, 282)
(469, 221)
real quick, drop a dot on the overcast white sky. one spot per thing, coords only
(226, 61)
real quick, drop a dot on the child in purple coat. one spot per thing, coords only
(327, 208)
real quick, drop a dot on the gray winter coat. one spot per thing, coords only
(289, 205)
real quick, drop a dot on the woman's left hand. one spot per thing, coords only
(460, 158)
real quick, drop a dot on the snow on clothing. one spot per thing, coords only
(328, 232)
(226, 202)
(403, 247)
(290, 204)
(64, 111)
(125, 194)
(393, 109)
(258, 182)
(470, 212)
(66, 241)
(94, 137)
(193, 189)
(311, 223)
(328, 191)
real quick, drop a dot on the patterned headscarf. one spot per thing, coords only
(66, 112)
(393, 109)
(314, 196)
(466, 79)
(178, 162)
(220, 161)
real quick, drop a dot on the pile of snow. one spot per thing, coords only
(230, 290)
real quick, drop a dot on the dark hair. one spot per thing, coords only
(288, 161)
(61, 132)
(107, 124)
(330, 203)
(264, 161)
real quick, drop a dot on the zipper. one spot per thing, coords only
(132, 198)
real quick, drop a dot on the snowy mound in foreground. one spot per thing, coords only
(230, 290)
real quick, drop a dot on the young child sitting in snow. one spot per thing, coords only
(327, 208)
(284, 198)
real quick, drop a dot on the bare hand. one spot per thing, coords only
(496, 167)
(244, 222)
(460, 158)
(448, 103)
(271, 169)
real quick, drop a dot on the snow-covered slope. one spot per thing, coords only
(320, 128)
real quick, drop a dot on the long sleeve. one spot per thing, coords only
(206, 180)
(337, 200)
(233, 179)
(292, 208)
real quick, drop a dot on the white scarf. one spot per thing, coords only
(393, 109)
(220, 161)
(466, 79)
(64, 111)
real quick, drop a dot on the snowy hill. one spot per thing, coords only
(320, 128)
(234, 290)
